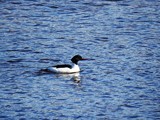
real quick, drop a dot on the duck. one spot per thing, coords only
(67, 68)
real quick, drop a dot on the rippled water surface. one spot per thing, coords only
(122, 83)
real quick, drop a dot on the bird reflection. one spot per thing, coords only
(75, 77)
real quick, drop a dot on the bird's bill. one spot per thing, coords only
(87, 59)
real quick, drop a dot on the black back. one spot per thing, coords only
(63, 66)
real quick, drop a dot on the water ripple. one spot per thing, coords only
(121, 83)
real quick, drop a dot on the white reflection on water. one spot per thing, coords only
(73, 76)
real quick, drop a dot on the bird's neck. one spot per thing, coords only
(75, 67)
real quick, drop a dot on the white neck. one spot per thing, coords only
(75, 68)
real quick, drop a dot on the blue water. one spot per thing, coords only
(122, 83)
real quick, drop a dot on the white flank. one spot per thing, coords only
(74, 69)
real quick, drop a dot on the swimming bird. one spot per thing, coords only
(66, 68)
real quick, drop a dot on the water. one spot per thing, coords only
(121, 84)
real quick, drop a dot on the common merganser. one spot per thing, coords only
(67, 69)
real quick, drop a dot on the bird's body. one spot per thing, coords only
(65, 68)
